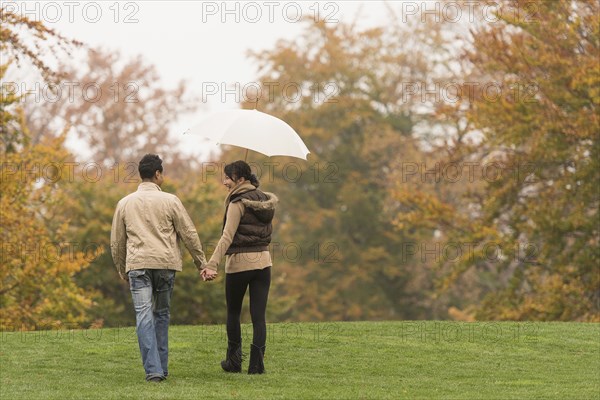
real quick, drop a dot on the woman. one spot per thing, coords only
(245, 242)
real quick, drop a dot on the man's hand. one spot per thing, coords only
(124, 276)
(208, 274)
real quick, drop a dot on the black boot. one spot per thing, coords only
(233, 362)
(257, 355)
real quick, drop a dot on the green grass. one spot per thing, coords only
(357, 360)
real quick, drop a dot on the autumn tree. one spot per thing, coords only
(538, 213)
(118, 107)
(30, 42)
(38, 261)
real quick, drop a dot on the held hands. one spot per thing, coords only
(208, 274)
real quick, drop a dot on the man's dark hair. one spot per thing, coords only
(149, 164)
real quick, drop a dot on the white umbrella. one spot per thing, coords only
(254, 130)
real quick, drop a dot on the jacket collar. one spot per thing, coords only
(144, 186)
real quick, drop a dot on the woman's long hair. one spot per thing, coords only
(240, 169)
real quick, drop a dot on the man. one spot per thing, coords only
(146, 230)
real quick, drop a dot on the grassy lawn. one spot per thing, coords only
(346, 360)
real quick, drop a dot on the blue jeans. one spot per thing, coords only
(151, 290)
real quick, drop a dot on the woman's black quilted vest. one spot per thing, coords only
(254, 232)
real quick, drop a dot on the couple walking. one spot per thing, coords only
(146, 229)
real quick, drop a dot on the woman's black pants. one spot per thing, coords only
(259, 281)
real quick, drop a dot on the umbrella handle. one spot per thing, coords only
(255, 106)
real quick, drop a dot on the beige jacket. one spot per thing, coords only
(241, 261)
(146, 230)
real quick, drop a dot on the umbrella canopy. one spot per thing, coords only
(254, 130)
